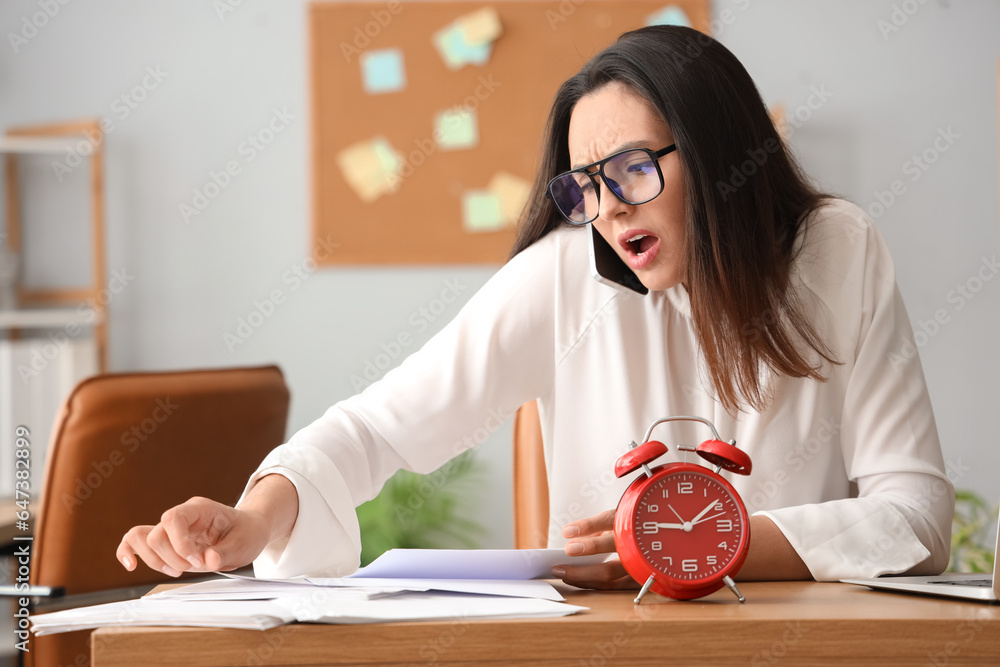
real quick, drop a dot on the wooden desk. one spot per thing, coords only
(787, 623)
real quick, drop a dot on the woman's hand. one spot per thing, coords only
(594, 535)
(202, 535)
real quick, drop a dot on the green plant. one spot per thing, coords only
(971, 547)
(422, 511)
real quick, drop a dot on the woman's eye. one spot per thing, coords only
(641, 167)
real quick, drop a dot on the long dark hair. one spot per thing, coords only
(746, 200)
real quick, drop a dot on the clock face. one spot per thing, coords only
(689, 525)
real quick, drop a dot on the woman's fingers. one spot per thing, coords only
(191, 528)
(600, 523)
(592, 535)
(585, 546)
(135, 544)
(606, 576)
(186, 539)
(126, 552)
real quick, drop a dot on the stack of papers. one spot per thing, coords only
(243, 615)
(402, 585)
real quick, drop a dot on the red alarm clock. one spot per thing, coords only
(681, 527)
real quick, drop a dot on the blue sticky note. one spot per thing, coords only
(669, 15)
(382, 71)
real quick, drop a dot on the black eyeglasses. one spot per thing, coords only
(632, 175)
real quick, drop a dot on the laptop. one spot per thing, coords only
(969, 586)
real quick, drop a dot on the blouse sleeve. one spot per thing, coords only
(901, 519)
(443, 399)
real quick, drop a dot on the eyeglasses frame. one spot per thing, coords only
(653, 155)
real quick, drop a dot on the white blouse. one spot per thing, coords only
(850, 470)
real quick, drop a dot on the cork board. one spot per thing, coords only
(421, 221)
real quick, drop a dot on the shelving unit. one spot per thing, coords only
(56, 139)
(54, 337)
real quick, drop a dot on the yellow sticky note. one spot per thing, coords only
(513, 192)
(481, 211)
(480, 26)
(456, 129)
(371, 168)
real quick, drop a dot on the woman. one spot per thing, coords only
(772, 311)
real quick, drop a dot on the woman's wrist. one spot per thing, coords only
(274, 502)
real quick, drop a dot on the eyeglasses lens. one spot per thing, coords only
(632, 175)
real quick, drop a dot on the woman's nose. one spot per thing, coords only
(611, 206)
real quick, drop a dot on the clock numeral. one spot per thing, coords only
(689, 565)
(685, 487)
(723, 526)
(650, 527)
(653, 509)
(656, 546)
(666, 494)
(718, 507)
(710, 560)
(724, 545)
(670, 560)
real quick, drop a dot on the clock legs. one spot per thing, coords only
(727, 580)
(645, 589)
(732, 586)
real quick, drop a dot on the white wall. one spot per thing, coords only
(223, 78)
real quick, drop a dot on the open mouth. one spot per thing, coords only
(641, 243)
(640, 247)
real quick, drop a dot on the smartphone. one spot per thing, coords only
(608, 268)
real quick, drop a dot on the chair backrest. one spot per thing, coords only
(127, 446)
(531, 488)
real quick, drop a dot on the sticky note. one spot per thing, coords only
(669, 15)
(481, 26)
(371, 168)
(481, 211)
(456, 52)
(456, 129)
(512, 192)
(382, 71)
(468, 39)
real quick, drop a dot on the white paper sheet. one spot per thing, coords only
(401, 585)
(249, 615)
(431, 606)
(309, 604)
(536, 588)
(248, 588)
(471, 563)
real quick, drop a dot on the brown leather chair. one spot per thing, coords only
(125, 448)
(531, 488)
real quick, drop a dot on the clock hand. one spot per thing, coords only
(679, 526)
(703, 512)
(708, 518)
(675, 513)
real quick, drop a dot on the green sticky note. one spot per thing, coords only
(481, 211)
(456, 129)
